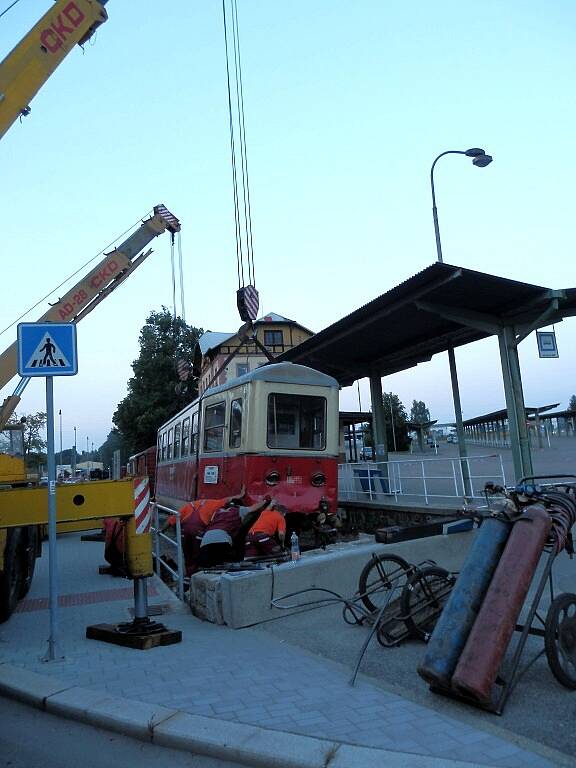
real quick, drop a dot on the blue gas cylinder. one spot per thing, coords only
(455, 622)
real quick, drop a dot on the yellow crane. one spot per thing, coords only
(27, 67)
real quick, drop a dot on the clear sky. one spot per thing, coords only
(347, 104)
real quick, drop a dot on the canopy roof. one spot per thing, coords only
(443, 306)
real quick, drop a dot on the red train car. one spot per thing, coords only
(274, 430)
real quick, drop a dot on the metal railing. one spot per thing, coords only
(430, 478)
(159, 537)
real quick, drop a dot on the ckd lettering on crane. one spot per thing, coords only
(105, 274)
(53, 37)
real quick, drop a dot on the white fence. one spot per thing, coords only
(431, 479)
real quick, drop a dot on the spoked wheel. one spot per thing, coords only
(382, 580)
(424, 598)
(560, 639)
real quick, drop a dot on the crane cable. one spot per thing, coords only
(243, 223)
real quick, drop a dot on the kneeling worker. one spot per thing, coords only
(223, 539)
(195, 516)
(266, 537)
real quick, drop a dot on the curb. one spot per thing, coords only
(247, 744)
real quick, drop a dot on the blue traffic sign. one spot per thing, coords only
(47, 349)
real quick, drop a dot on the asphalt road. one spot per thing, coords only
(30, 738)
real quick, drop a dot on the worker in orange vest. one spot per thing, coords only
(266, 537)
(195, 516)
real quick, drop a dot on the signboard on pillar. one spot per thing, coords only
(547, 346)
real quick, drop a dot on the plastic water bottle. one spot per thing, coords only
(294, 547)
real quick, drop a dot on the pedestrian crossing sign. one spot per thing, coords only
(47, 349)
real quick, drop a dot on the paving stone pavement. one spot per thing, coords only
(239, 676)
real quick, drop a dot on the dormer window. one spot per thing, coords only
(273, 339)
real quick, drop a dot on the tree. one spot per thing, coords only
(114, 442)
(419, 414)
(572, 403)
(396, 423)
(153, 392)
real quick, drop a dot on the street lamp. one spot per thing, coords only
(60, 416)
(74, 456)
(481, 160)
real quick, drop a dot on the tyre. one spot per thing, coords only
(560, 639)
(29, 553)
(424, 597)
(382, 580)
(12, 577)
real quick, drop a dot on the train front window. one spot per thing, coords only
(214, 420)
(163, 446)
(296, 422)
(235, 423)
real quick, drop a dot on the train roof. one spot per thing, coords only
(282, 373)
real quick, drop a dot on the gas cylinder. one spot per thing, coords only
(453, 627)
(492, 630)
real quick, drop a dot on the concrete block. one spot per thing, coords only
(205, 597)
(243, 743)
(244, 599)
(128, 717)
(29, 687)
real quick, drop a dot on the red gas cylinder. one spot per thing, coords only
(492, 630)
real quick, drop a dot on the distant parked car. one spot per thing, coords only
(452, 439)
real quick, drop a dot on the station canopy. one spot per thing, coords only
(443, 306)
(501, 415)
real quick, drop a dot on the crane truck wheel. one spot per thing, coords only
(12, 576)
(31, 544)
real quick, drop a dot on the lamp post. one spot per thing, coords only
(73, 462)
(481, 160)
(60, 417)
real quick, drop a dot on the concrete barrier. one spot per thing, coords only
(243, 599)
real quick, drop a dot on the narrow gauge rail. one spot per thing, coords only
(273, 430)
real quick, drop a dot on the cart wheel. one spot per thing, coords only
(560, 639)
(380, 575)
(423, 598)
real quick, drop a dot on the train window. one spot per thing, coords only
(185, 436)
(194, 444)
(296, 421)
(169, 445)
(177, 441)
(235, 423)
(273, 339)
(159, 449)
(163, 446)
(214, 420)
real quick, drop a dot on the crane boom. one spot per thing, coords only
(27, 67)
(90, 291)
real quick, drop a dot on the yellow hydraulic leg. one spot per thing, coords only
(140, 633)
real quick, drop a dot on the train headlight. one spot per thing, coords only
(272, 478)
(318, 479)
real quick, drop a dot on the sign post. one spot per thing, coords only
(49, 349)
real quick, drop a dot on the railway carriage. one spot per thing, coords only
(274, 430)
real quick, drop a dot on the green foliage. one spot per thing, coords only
(152, 397)
(396, 423)
(419, 414)
(572, 403)
(114, 442)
